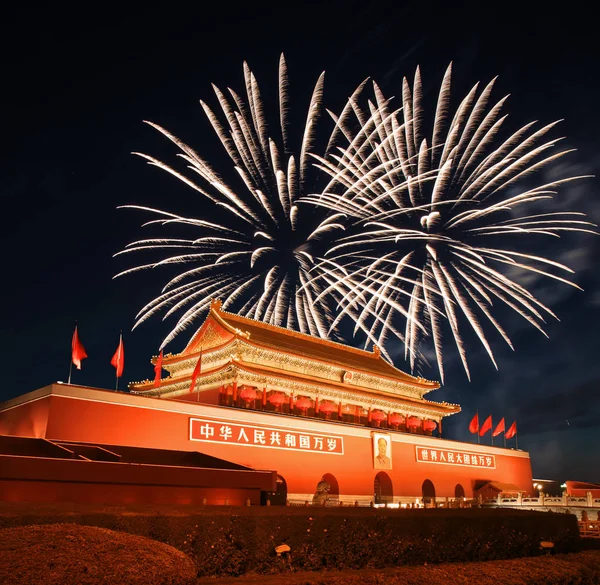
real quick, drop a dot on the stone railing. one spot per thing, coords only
(589, 528)
(546, 501)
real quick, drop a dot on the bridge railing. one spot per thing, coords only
(589, 528)
(542, 500)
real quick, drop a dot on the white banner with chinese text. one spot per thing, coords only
(211, 431)
(453, 457)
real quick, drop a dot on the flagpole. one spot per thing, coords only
(504, 435)
(478, 440)
(71, 364)
(118, 361)
(517, 439)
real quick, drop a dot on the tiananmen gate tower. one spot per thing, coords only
(317, 421)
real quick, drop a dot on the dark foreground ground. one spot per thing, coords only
(89, 545)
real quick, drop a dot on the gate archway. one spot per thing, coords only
(328, 490)
(383, 489)
(428, 491)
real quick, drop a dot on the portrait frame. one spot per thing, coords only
(382, 459)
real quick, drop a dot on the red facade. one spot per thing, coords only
(355, 460)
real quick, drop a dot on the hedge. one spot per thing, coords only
(55, 554)
(235, 541)
(572, 569)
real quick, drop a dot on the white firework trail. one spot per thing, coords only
(434, 219)
(256, 257)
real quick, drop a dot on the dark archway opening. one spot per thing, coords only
(383, 488)
(459, 491)
(428, 490)
(327, 491)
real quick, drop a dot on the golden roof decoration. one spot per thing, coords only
(225, 326)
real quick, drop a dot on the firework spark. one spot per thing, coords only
(430, 222)
(258, 255)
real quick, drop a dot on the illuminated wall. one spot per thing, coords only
(301, 450)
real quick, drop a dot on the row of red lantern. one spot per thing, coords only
(249, 393)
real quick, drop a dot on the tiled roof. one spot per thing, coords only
(279, 338)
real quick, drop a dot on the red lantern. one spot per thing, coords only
(303, 403)
(378, 416)
(396, 419)
(429, 425)
(276, 399)
(248, 393)
(327, 407)
(413, 422)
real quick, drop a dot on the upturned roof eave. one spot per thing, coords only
(366, 393)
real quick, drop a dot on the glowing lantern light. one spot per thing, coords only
(327, 407)
(303, 403)
(429, 425)
(396, 419)
(413, 422)
(248, 393)
(378, 416)
(276, 399)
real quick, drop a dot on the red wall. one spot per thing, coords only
(35, 479)
(26, 420)
(145, 422)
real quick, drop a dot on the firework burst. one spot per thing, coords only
(256, 258)
(432, 221)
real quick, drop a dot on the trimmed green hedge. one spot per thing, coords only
(234, 541)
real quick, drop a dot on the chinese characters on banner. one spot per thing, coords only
(212, 431)
(448, 457)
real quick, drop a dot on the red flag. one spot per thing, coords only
(158, 370)
(512, 431)
(499, 429)
(118, 360)
(486, 426)
(474, 424)
(77, 350)
(196, 373)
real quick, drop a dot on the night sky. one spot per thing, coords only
(76, 88)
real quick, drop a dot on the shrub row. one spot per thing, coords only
(573, 569)
(235, 541)
(55, 554)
